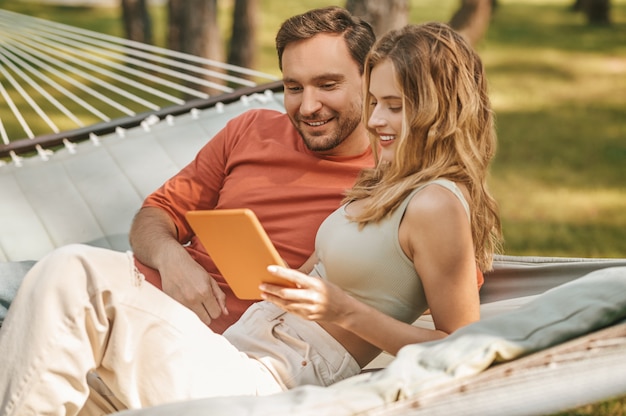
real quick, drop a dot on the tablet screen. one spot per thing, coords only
(240, 248)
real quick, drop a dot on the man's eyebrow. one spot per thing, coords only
(317, 79)
(330, 77)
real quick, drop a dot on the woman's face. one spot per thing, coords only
(386, 114)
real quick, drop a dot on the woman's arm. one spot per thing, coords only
(437, 236)
(435, 233)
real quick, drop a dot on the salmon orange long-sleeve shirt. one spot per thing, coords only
(257, 161)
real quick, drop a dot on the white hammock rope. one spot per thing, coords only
(60, 88)
(36, 86)
(108, 41)
(149, 56)
(56, 78)
(64, 77)
(93, 54)
(13, 107)
(26, 96)
(112, 87)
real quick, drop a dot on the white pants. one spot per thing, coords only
(82, 309)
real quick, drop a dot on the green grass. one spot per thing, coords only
(558, 87)
(559, 91)
(607, 408)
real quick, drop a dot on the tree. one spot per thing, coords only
(597, 11)
(193, 29)
(137, 23)
(382, 15)
(242, 48)
(174, 24)
(472, 19)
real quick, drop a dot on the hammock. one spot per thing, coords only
(85, 183)
(556, 322)
(56, 69)
(89, 191)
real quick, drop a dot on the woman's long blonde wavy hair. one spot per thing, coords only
(447, 130)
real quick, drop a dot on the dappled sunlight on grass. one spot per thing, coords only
(535, 25)
(608, 408)
(562, 239)
(558, 88)
(560, 221)
(574, 146)
(526, 199)
(539, 79)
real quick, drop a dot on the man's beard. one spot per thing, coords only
(329, 141)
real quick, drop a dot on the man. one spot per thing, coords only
(315, 152)
(291, 170)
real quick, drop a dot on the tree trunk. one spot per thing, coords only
(175, 23)
(242, 49)
(193, 29)
(472, 19)
(137, 23)
(577, 6)
(382, 15)
(597, 11)
(201, 33)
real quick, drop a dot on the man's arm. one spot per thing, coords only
(153, 238)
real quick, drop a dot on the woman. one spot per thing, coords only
(413, 228)
(407, 239)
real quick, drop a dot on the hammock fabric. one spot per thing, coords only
(89, 192)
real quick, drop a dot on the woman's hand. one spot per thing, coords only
(313, 298)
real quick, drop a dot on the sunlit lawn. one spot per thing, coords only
(559, 91)
(558, 88)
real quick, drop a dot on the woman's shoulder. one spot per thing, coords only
(441, 199)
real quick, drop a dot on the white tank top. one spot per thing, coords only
(369, 262)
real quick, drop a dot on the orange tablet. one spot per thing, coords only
(239, 246)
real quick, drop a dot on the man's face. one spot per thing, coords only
(323, 95)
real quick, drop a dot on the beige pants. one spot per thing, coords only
(81, 309)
